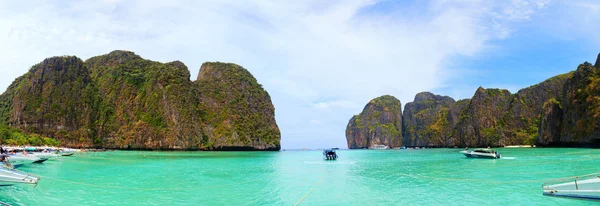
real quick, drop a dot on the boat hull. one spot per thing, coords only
(18, 160)
(66, 154)
(587, 188)
(594, 197)
(12, 176)
(471, 154)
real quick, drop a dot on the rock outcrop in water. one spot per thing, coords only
(560, 111)
(429, 120)
(120, 100)
(572, 119)
(380, 123)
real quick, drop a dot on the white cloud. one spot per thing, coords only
(304, 52)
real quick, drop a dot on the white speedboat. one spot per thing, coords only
(67, 152)
(584, 187)
(13, 176)
(18, 160)
(379, 147)
(45, 155)
(481, 153)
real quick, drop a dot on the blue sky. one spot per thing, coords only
(321, 61)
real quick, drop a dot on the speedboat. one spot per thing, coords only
(45, 155)
(12, 176)
(330, 154)
(379, 147)
(584, 187)
(67, 152)
(18, 160)
(481, 153)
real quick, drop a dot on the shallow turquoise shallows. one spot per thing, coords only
(358, 177)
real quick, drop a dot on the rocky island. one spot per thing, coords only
(380, 123)
(122, 101)
(561, 111)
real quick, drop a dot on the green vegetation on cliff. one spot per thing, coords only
(120, 100)
(428, 120)
(231, 101)
(14, 136)
(380, 123)
(572, 118)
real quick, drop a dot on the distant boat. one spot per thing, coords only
(330, 154)
(481, 153)
(379, 147)
(584, 187)
(335, 148)
(403, 147)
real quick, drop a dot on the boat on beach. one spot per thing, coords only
(481, 153)
(584, 187)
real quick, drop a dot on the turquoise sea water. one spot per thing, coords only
(358, 177)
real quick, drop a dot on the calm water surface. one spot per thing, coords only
(358, 177)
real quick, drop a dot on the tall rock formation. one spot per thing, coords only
(521, 122)
(429, 120)
(56, 95)
(573, 118)
(480, 122)
(120, 100)
(380, 123)
(561, 111)
(239, 110)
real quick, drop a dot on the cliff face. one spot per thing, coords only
(493, 117)
(380, 123)
(54, 97)
(237, 109)
(480, 121)
(429, 120)
(120, 100)
(572, 119)
(521, 122)
(561, 111)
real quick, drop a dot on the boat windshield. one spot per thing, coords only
(484, 151)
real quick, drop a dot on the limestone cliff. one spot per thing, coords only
(429, 120)
(572, 119)
(380, 123)
(120, 100)
(480, 121)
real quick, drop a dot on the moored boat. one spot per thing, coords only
(18, 160)
(12, 176)
(330, 154)
(583, 187)
(379, 147)
(482, 153)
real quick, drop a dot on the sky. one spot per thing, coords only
(320, 61)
